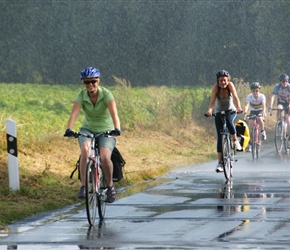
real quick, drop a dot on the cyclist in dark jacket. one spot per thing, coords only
(282, 91)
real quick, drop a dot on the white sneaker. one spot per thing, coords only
(238, 146)
(220, 167)
(264, 136)
(249, 149)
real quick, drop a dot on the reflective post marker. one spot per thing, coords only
(13, 170)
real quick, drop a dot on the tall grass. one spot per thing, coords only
(41, 111)
(157, 108)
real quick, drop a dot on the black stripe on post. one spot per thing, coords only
(12, 145)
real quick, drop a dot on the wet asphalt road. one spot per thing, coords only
(190, 208)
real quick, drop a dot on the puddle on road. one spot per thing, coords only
(226, 199)
(47, 217)
(46, 247)
(133, 189)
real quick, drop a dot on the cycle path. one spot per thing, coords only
(188, 208)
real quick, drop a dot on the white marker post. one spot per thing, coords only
(13, 170)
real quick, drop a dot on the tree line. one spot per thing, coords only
(147, 42)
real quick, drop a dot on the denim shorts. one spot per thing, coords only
(102, 141)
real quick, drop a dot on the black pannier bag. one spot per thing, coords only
(118, 164)
(77, 168)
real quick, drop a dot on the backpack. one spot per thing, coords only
(118, 164)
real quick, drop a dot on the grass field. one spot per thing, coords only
(162, 128)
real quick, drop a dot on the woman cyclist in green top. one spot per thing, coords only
(101, 115)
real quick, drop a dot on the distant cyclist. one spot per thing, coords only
(282, 90)
(223, 96)
(256, 102)
(101, 115)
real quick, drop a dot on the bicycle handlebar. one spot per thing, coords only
(78, 134)
(230, 111)
(270, 110)
(254, 116)
(280, 109)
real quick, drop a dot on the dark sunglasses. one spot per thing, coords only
(87, 82)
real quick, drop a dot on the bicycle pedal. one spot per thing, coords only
(104, 195)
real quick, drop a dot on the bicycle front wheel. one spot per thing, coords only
(102, 197)
(91, 192)
(279, 136)
(255, 143)
(226, 143)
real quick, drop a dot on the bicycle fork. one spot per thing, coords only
(256, 134)
(230, 147)
(102, 192)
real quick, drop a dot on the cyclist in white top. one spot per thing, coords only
(282, 90)
(256, 102)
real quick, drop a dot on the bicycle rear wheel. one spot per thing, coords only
(228, 191)
(279, 136)
(259, 142)
(254, 144)
(226, 143)
(102, 189)
(91, 192)
(287, 145)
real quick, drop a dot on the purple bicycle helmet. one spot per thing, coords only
(90, 72)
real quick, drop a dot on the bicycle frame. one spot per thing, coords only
(96, 186)
(255, 136)
(228, 151)
(281, 138)
(95, 157)
(100, 185)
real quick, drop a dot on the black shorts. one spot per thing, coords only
(256, 112)
(285, 106)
